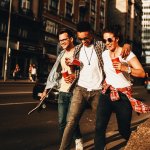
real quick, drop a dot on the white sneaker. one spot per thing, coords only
(79, 144)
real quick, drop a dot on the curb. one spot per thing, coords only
(16, 82)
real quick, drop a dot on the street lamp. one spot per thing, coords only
(7, 42)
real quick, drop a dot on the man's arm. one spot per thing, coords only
(126, 49)
(51, 80)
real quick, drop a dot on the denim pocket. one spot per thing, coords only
(64, 97)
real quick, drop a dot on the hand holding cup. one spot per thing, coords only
(68, 61)
(74, 62)
(116, 64)
(64, 74)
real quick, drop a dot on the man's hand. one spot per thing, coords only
(68, 61)
(120, 67)
(70, 78)
(43, 95)
(126, 49)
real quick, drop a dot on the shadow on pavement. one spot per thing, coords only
(114, 140)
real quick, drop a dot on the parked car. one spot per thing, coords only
(39, 88)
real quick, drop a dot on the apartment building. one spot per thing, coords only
(127, 15)
(20, 26)
(146, 31)
(34, 26)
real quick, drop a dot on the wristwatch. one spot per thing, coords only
(129, 70)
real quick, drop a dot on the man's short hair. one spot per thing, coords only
(83, 26)
(66, 30)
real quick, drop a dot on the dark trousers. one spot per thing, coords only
(63, 108)
(123, 110)
(33, 77)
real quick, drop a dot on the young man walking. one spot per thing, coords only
(57, 78)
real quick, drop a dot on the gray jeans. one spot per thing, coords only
(81, 97)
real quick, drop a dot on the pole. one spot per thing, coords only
(7, 42)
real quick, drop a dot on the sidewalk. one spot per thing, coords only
(113, 138)
(26, 81)
(19, 81)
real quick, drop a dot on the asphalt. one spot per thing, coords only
(114, 140)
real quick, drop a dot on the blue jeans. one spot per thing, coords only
(81, 97)
(63, 108)
(123, 110)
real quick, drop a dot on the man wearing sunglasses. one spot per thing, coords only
(88, 80)
(57, 78)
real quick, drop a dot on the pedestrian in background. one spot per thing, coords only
(16, 72)
(33, 73)
(116, 94)
(62, 75)
(30, 71)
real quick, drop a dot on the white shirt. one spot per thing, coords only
(33, 71)
(65, 86)
(90, 75)
(119, 80)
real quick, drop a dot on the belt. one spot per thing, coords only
(88, 90)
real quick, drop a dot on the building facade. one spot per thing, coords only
(146, 31)
(34, 26)
(24, 35)
(127, 15)
(34, 29)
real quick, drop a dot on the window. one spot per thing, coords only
(93, 8)
(3, 27)
(51, 27)
(25, 6)
(68, 10)
(53, 5)
(22, 33)
(4, 3)
(92, 22)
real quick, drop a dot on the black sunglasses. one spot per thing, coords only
(85, 38)
(109, 40)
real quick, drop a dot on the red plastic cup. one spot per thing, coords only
(114, 60)
(76, 62)
(65, 74)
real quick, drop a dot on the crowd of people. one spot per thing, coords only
(32, 72)
(95, 73)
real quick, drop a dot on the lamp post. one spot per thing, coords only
(7, 42)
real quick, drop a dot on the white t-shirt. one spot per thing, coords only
(65, 86)
(119, 80)
(90, 75)
(33, 71)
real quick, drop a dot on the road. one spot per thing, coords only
(39, 131)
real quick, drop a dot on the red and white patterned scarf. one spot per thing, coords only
(137, 105)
